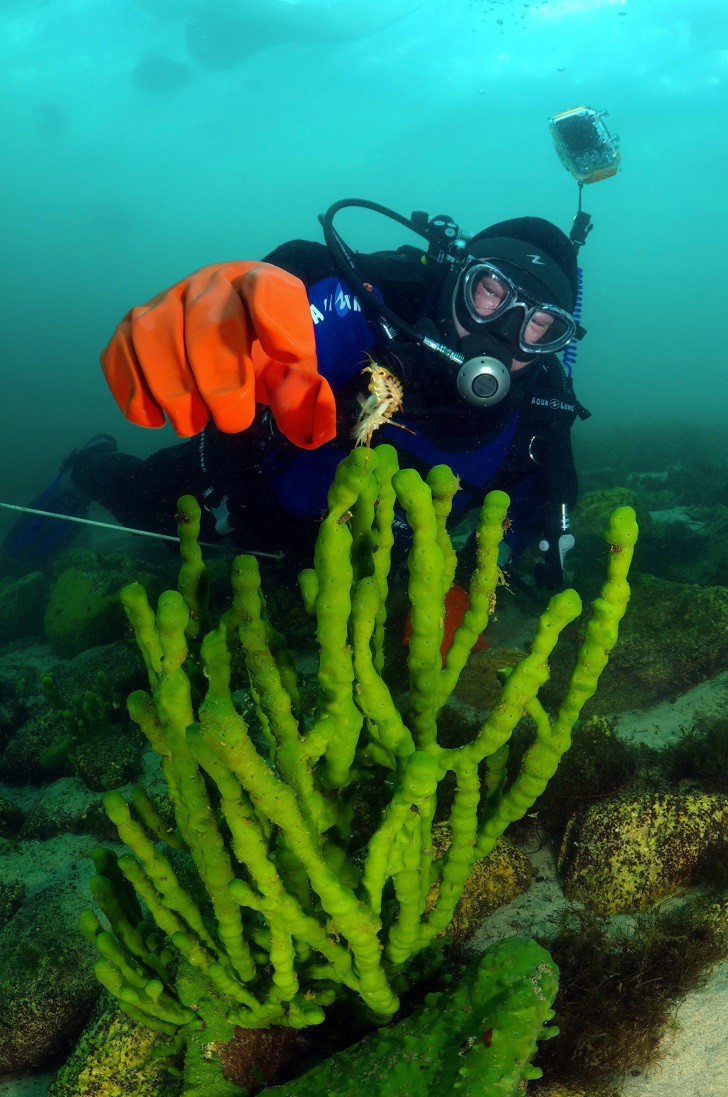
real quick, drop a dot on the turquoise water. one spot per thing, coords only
(144, 139)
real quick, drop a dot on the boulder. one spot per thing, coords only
(493, 881)
(47, 984)
(623, 855)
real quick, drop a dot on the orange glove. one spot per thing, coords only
(457, 603)
(226, 337)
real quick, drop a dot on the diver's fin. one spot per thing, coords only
(34, 538)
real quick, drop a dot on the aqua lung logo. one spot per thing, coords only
(345, 302)
(554, 404)
(537, 260)
(341, 302)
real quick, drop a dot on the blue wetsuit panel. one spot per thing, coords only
(342, 332)
(476, 467)
(301, 480)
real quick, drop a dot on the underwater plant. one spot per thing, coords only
(98, 745)
(701, 752)
(84, 717)
(621, 986)
(267, 904)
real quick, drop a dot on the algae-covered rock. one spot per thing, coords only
(479, 684)
(711, 916)
(688, 544)
(20, 761)
(119, 663)
(47, 985)
(113, 754)
(11, 818)
(588, 521)
(84, 608)
(81, 613)
(111, 759)
(12, 893)
(673, 637)
(114, 569)
(493, 881)
(591, 514)
(558, 1089)
(21, 606)
(700, 752)
(61, 808)
(476, 1039)
(597, 764)
(114, 1058)
(106, 749)
(709, 913)
(19, 689)
(625, 854)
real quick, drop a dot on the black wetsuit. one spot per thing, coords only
(271, 495)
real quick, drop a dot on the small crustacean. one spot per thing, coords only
(383, 401)
(501, 581)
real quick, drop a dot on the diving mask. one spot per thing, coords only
(487, 294)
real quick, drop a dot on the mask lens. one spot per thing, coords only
(546, 329)
(487, 293)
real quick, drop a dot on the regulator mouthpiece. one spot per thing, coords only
(483, 381)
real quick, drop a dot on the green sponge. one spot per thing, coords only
(475, 1040)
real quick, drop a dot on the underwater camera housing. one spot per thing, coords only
(585, 146)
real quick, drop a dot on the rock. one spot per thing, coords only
(114, 1058)
(96, 822)
(673, 636)
(47, 984)
(493, 881)
(61, 809)
(20, 761)
(81, 613)
(21, 606)
(623, 855)
(12, 894)
(11, 818)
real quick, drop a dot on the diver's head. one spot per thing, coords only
(510, 302)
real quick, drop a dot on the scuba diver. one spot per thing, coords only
(259, 366)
